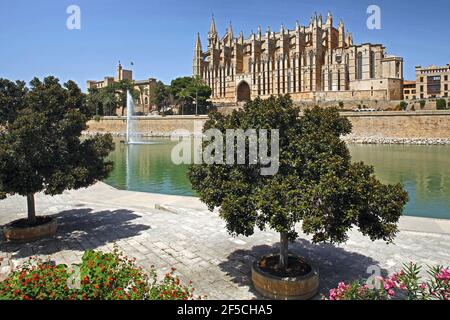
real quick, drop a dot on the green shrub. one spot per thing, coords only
(441, 104)
(341, 104)
(422, 104)
(403, 105)
(97, 118)
(102, 276)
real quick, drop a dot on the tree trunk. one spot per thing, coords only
(31, 209)
(284, 246)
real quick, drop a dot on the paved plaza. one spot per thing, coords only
(173, 231)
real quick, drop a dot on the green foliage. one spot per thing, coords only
(316, 183)
(403, 105)
(111, 276)
(171, 288)
(12, 100)
(441, 104)
(406, 284)
(187, 89)
(357, 290)
(41, 147)
(160, 95)
(422, 104)
(105, 101)
(101, 276)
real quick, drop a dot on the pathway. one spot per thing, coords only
(181, 233)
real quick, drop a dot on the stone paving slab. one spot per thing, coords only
(195, 241)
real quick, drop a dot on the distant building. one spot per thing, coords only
(432, 82)
(409, 90)
(145, 87)
(317, 62)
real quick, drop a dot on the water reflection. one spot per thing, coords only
(423, 170)
(148, 168)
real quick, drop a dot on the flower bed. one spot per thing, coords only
(100, 276)
(406, 284)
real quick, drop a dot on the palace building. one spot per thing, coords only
(313, 63)
(432, 82)
(144, 87)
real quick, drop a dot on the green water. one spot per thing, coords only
(423, 170)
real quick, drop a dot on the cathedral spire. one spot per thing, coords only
(341, 36)
(212, 28)
(198, 57)
(230, 31)
(329, 21)
(198, 43)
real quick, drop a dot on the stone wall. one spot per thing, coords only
(148, 126)
(409, 125)
(391, 125)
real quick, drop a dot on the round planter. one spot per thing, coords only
(43, 230)
(279, 288)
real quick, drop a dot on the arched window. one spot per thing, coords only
(359, 65)
(323, 80)
(347, 78)
(330, 81)
(259, 85)
(339, 80)
(372, 64)
(289, 82)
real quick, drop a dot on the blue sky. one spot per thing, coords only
(159, 35)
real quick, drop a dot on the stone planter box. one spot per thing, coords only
(28, 234)
(278, 288)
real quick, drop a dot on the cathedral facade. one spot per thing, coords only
(314, 63)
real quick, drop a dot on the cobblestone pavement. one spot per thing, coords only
(195, 242)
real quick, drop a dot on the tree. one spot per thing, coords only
(121, 88)
(94, 101)
(106, 100)
(160, 95)
(40, 144)
(441, 104)
(316, 184)
(403, 105)
(189, 91)
(422, 104)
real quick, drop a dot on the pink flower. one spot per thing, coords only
(391, 292)
(423, 286)
(389, 283)
(333, 294)
(444, 275)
